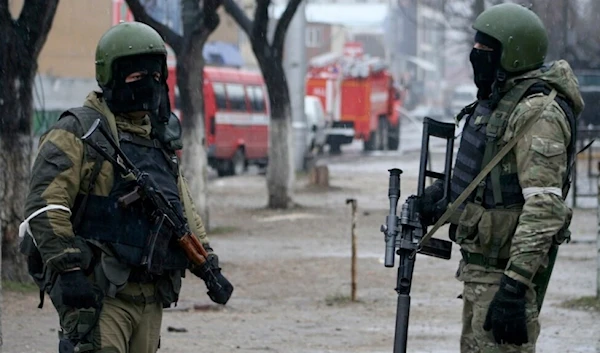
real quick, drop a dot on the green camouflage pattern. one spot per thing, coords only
(540, 158)
(474, 339)
(62, 170)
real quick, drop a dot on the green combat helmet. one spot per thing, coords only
(126, 39)
(520, 31)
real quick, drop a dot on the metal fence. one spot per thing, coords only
(586, 168)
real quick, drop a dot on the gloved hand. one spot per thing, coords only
(506, 316)
(431, 204)
(77, 291)
(219, 288)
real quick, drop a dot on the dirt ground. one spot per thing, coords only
(291, 271)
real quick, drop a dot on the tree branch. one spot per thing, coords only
(210, 16)
(238, 16)
(284, 23)
(35, 22)
(174, 40)
(261, 22)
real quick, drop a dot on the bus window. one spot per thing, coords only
(220, 97)
(257, 98)
(237, 97)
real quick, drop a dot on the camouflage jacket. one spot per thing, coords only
(541, 161)
(62, 170)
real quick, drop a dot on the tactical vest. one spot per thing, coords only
(469, 163)
(126, 230)
(488, 219)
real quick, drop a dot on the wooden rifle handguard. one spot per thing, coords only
(193, 249)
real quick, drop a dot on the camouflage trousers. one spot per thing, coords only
(128, 323)
(474, 339)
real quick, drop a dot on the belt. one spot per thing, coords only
(137, 299)
(481, 260)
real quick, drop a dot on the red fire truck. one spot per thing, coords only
(236, 115)
(358, 94)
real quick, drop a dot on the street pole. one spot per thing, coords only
(295, 71)
(598, 242)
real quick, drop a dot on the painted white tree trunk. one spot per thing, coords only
(195, 169)
(280, 172)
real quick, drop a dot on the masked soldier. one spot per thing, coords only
(509, 224)
(85, 250)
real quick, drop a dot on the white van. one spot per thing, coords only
(317, 123)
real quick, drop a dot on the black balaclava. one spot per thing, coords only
(486, 64)
(141, 95)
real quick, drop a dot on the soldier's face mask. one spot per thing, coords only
(485, 64)
(141, 94)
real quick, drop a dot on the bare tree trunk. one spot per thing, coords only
(14, 178)
(17, 70)
(281, 161)
(280, 171)
(190, 70)
(198, 24)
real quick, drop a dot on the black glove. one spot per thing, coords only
(219, 288)
(432, 204)
(506, 316)
(77, 291)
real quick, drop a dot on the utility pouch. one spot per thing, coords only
(466, 232)
(168, 288)
(495, 231)
(77, 329)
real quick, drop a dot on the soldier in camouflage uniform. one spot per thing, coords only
(83, 249)
(509, 224)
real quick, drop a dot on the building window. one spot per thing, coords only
(314, 37)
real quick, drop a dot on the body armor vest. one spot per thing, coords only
(474, 142)
(469, 162)
(127, 230)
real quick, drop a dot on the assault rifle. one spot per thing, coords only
(404, 234)
(162, 210)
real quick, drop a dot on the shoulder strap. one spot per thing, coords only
(495, 128)
(479, 178)
(86, 117)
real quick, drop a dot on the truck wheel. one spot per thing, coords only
(334, 148)
(382, 134)
(371, 145)
(238, 163)
(223, 169)
(393, 137)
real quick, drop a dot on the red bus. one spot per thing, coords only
(236, 115)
